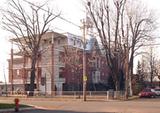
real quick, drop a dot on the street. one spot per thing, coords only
(92, 106)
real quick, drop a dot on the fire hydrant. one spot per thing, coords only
(16, 100)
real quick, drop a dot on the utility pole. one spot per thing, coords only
(84, 60)
(52, 75)
(6, 87)
(45, 81)
(11, 69)
(24, 72)
(86, 25)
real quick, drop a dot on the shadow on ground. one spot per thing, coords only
(55, 111)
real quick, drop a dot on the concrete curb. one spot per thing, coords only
(12, 109)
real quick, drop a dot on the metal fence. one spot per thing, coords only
(103, 95)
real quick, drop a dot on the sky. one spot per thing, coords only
(71, 10)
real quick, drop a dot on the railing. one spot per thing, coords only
(104, 95)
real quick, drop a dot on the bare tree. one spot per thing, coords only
(108, 23)
(142, 25)
(72, 57)
(151, 65)
(28, 27)
(122, 31)
(138, 78)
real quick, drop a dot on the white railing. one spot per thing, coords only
(105, 95)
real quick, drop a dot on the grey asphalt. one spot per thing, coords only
(94, 106)
(54, 111)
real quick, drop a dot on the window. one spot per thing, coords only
(80, 44)
(43, 81)
(157, 89)
(71, 39)
(74, 43)
(98, 63)
(96, 76)
(45, 41)
(29, 74)
(58, 41)
(60, 75)
(93, 77)
(61, 56)
(18, 72)
(94, 64)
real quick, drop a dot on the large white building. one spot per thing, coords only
(48, 67)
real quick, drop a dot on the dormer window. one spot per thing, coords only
(74, 42)
(50, 41)
(71, 39)
(45, 41)
(58, 41)
(80, 44)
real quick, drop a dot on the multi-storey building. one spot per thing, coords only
(60, 63)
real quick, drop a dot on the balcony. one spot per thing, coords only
(60, 80)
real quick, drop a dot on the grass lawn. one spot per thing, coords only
(6, 106)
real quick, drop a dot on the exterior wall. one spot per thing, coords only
(97, 72)
(46, 63)
(17, 70)
(97, 69)
(66, 75)
(21, 73)
(74, 41)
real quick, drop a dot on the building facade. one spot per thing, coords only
(60, 63)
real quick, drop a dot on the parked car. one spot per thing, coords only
(147, 92)
(157, 91)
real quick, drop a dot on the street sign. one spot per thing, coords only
(85, 78)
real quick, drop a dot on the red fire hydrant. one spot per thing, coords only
(16, 100)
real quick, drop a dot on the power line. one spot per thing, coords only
(62, 18)
(158, 44)
(98, 49)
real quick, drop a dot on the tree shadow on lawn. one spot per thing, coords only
(56, 111)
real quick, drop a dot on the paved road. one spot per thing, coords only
(96, 106)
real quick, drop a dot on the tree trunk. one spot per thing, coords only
(130, 86)
(32, 78)
(117, 86)
(151, 76)
(131, 72)
(130, 77)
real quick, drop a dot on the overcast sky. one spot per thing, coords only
(72, 10)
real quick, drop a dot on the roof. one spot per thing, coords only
(92, 45)
(47, 35)
(156, 79)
